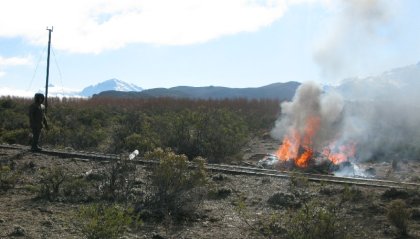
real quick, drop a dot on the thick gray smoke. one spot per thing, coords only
(384, 130)
(380, 115)
(383, 114)
(308, 104)
(353, 35)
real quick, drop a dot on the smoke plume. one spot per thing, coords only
(379, 115)
(309, 102)
(353, 35)
(383, 114)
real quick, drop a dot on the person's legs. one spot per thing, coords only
(36, 133)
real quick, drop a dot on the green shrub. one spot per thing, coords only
(76, 189)
(398, 215)
(283, 200)
(51, 182)
(298, 183)
(7, 103)
(314, 221)
(175, 187)
(118, 181)
(139, 142)
(55, 183)
(220, 133)
(351, 194)
(219, 193)
(31, 188)
(18, 136)
(298, 180)
(215, 129)
(267, 225)
(100, 221)
(8, 178)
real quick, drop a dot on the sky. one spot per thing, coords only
(231, 43)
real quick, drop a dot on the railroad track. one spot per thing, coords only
(229, 169)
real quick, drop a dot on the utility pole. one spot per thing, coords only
(48, 67)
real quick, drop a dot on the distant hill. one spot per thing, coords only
(282, 91)
(112, 84)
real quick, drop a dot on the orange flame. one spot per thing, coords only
(344, 152)
(298, 146)
(289, 149)
(303, 160)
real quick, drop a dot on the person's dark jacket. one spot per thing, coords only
(37, 119)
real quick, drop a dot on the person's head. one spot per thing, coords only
(39, 98)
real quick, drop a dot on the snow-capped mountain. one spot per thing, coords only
(112, 84)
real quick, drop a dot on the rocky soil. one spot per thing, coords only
(240, 206)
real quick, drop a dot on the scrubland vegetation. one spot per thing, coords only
(176, 197)
(214, 129)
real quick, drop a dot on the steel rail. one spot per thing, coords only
(325, 176)
(229, 169)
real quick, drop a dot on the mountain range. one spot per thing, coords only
(400, 83)
(403, 82)
(282, 91)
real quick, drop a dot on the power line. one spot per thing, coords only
(59, 71)
(36, 68)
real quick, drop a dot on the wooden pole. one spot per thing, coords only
(48, 67)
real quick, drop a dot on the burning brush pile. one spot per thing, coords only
(311, 131)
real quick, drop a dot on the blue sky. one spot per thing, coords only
(233, 43)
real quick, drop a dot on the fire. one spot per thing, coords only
(295, 141)
(298, 146)
(288, 150)
(303, 160)
(342, 154)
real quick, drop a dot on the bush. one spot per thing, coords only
(298, 180)
(175, 187)
(266, 225)
(394, 193)
(215, 129)
(118, 181)
(283, 200)
(351, 194)
(18, 136)
(51, 181)
(100, 221)
(219, 193)
(398, 215)
(314, 221)
(139, 142)
(76, 189)
(221, 133)
(298, 183)
(8, 178)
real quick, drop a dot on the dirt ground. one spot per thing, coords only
(251, 207)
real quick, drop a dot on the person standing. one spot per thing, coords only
(37, 120)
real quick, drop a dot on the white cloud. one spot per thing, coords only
(96, 25)
(6, 91)
(14, 61)
(53, 91)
